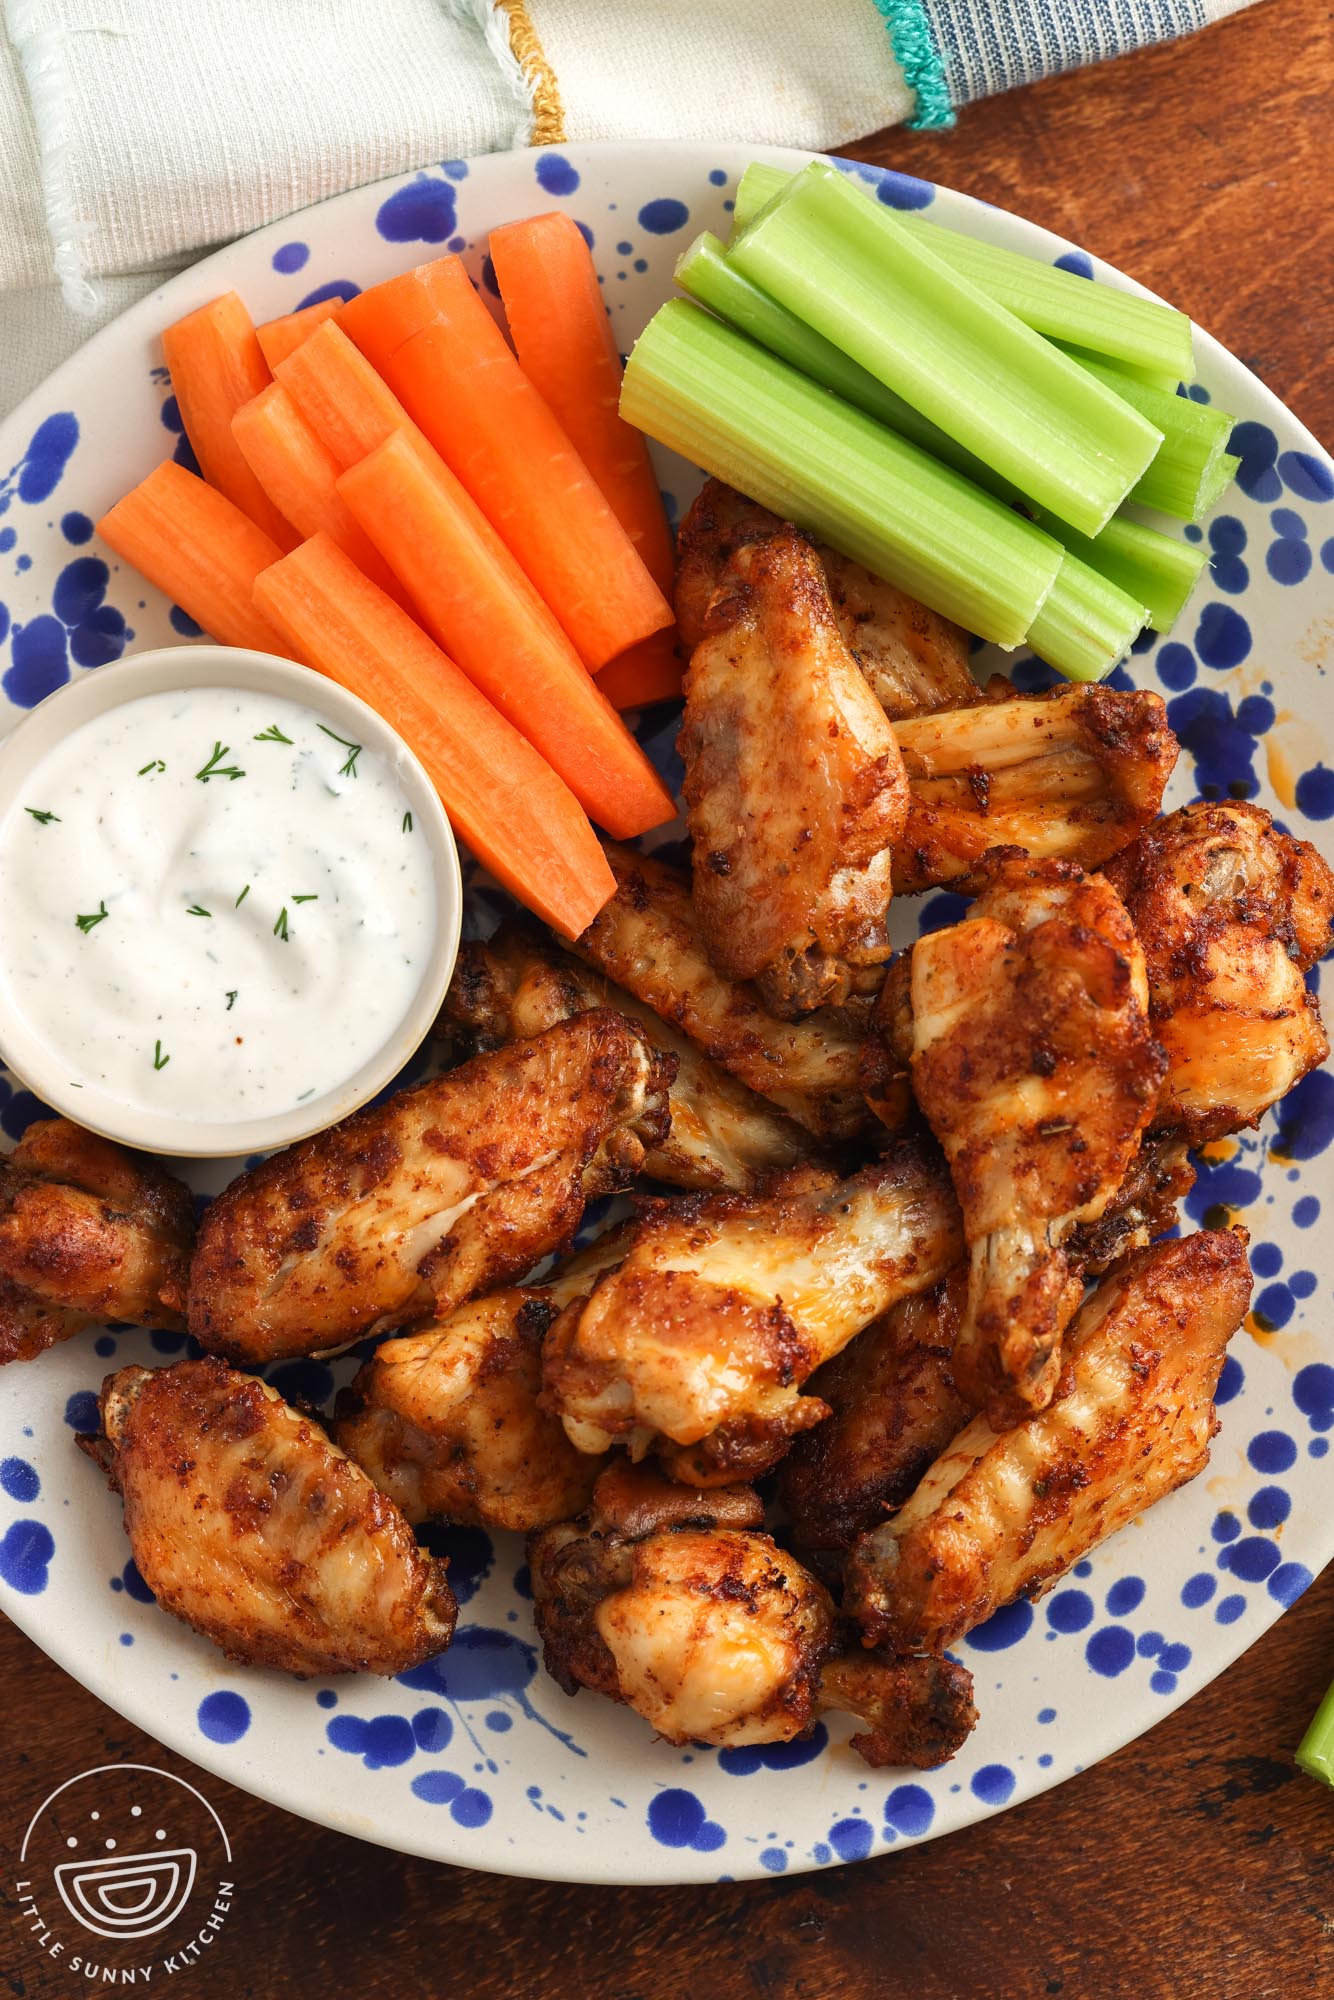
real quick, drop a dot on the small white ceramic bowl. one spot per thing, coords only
(232, 667)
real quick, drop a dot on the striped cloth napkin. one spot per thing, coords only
(136, 134)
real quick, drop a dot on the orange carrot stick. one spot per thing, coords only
(278, 337)
(515, 814)
(473, 597)
(300, 477)
(443, 355)
(200, 550)
(341, 396)
(216, 365)
(650, 671)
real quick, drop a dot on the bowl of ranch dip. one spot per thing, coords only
(231, 901)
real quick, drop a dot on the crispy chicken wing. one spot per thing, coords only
(1069, 777)
(1034, 1063)
(794, 786)
(912, 658)
(721, 1135)
(678, 1605)
(246, 1523)
(446, 1420)
(724, 1305)
(88, 1231)
(1231, 913)
(413, 1206)
(647, 940)
(1000, 1515)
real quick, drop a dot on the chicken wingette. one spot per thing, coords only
(1232, 913)
(1033, 1061)
(248, 1524)
(88, 1231)
(647, 940)
(1071, 776)
(409, 1208)
(701, 1339)
(1003, 1514)
(721, 1134)
(678, 1604)
(794, 787)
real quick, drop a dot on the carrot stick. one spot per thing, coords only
(650, 671)
(443, 355)
(216, 365)
(340, 395)
(515, 814)
(201, 551)
(300, 477)
(473, 597)
(278, 337)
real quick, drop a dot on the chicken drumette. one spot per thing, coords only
(88, 1231)
(245, 1522)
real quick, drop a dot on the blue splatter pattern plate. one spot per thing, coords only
(478, 1758)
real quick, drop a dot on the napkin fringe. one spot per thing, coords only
(41, 54)
(548, 127)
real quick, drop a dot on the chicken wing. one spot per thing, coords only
(446, 1420)
(679, 1605)
(1231, 913)
(894, 1408)
(911, 658)
(724, 1306)
(647, 940)
(413, 1206)
(246, 1523)
(794, 787)
(721, 1136)
(1070, 776)
(1033, 1062)
(1002, 1515)
(88, 1231)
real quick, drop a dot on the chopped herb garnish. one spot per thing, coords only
(197, 910)
(305, 1094)
(156, 765)
(305, 899)
(215, 768)
(407, 822)
(159, 1060)
(280, 928)
(42, 818)
(241, 898)
(354, 750)
(272, 735)
(89, 923)
(231, 998)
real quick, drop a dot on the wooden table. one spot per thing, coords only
(1195, 1865)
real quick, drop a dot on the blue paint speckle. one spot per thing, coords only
(337, 288)
(379, 1740)
(909, 1810)
(1046, 1715)
(1314, 792)
(993, 1784)
(223, 1717)
(555, 175)
(1307, 1210)
(1257, 448)
(1004, 1628)
(133, 1585)
(1231, 1380)
(1070, 1611)
(850, 1839)
(1288, 561)
(1110, 1650)
(663, 216)
(471, 1808)
(49, 450)
(1288, 1581)
(183, 623)
(1149, 1644)
(1251, 1559)
(1125, 1596)
(1222, 637)
(432, 1729)
(1229, 1609)
(1227, 539)
(1176, 666)
(1271, 1451)
(1222, 739)
(1076, 261)
(1269, 1507)
(1226, 1527)
(1266, 1260)
(424, 211)
(25, 1556)
(1305, 475)
(326, 1698)
(741, 1760)
(39, 662)
(289, 257)
(81, 1411)
(1197, 1590)
(437, 1788)
(773, 1859)
(677, 1819)
(19, 1480)
(76, 527)
(1313, 1393)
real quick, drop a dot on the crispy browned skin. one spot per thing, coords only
(246, 1523)
(794, 787)
(894, 1407)
(1000, 1515)
(678, 1605)
(88, 1231)
(1033, 1061)
(446, 1420)
(418, 1204)
(647, 939)
(722, 1136)
(1231, 913)
(724, 1305)
(1068, 777)
(912, 658)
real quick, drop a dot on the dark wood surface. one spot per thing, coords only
(1195, 1865)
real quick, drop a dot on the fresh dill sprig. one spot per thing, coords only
(197, 910)
(280, 927)
(89, 923)
(155, 764)
(241, 898)
(305, 899)
(407, 822)
(215, 768)
(272, 735)
(42, 817)
(159, 1060)
(231, 997)
(349, 768)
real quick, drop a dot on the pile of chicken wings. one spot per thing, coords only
(898, 1239)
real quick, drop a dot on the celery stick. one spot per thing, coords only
(705, 391)
(1086, 624)
(1152, 378)
(1059, 303)
(850, 269)
(1154, 569)
(1315, 1753)
(1215, 484)
(1194, 435)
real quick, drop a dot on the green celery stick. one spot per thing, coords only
(1315, 1752)
(850, 269)
(1195, 438)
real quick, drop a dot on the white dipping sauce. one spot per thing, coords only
(264, 932)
